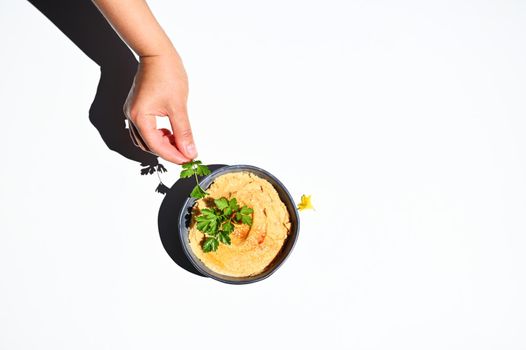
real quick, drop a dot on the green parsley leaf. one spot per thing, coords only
(245, 216)
(227, 227)
(227, 211)
(198, 192)
(207, 222)
(233, 204)
(187, 173)
(209, 212)
(246, 210)
(221, 203)
(210, 245)
(187, 165)
(246, 219)
(224, 237)
(202, 170)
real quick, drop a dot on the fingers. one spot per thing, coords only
(160, 142)
(182, 131)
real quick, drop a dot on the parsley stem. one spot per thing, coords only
(196, 180)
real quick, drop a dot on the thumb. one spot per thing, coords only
(182, 132)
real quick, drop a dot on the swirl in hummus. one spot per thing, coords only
(253, 247)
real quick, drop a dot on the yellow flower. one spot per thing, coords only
(305, 203)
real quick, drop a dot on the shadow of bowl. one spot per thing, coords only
(168, 220)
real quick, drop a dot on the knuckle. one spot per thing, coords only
(179, 112)
(128, 108)
(133, 113)
(186, 133)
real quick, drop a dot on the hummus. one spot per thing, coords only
(253, 247)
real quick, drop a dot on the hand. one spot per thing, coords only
(160, 88)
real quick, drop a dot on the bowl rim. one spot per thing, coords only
(206, 182)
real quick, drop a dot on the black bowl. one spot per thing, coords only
(284, 195)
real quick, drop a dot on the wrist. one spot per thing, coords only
(168, 56)
(167, 61)
(163, 50)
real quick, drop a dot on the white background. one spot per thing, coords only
(405, 121)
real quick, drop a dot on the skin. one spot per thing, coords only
(160, 87)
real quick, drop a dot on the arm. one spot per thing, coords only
(160, 87)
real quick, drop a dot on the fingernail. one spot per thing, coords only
(190, 150)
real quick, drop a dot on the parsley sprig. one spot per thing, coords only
(195, 168)
(216, 222)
